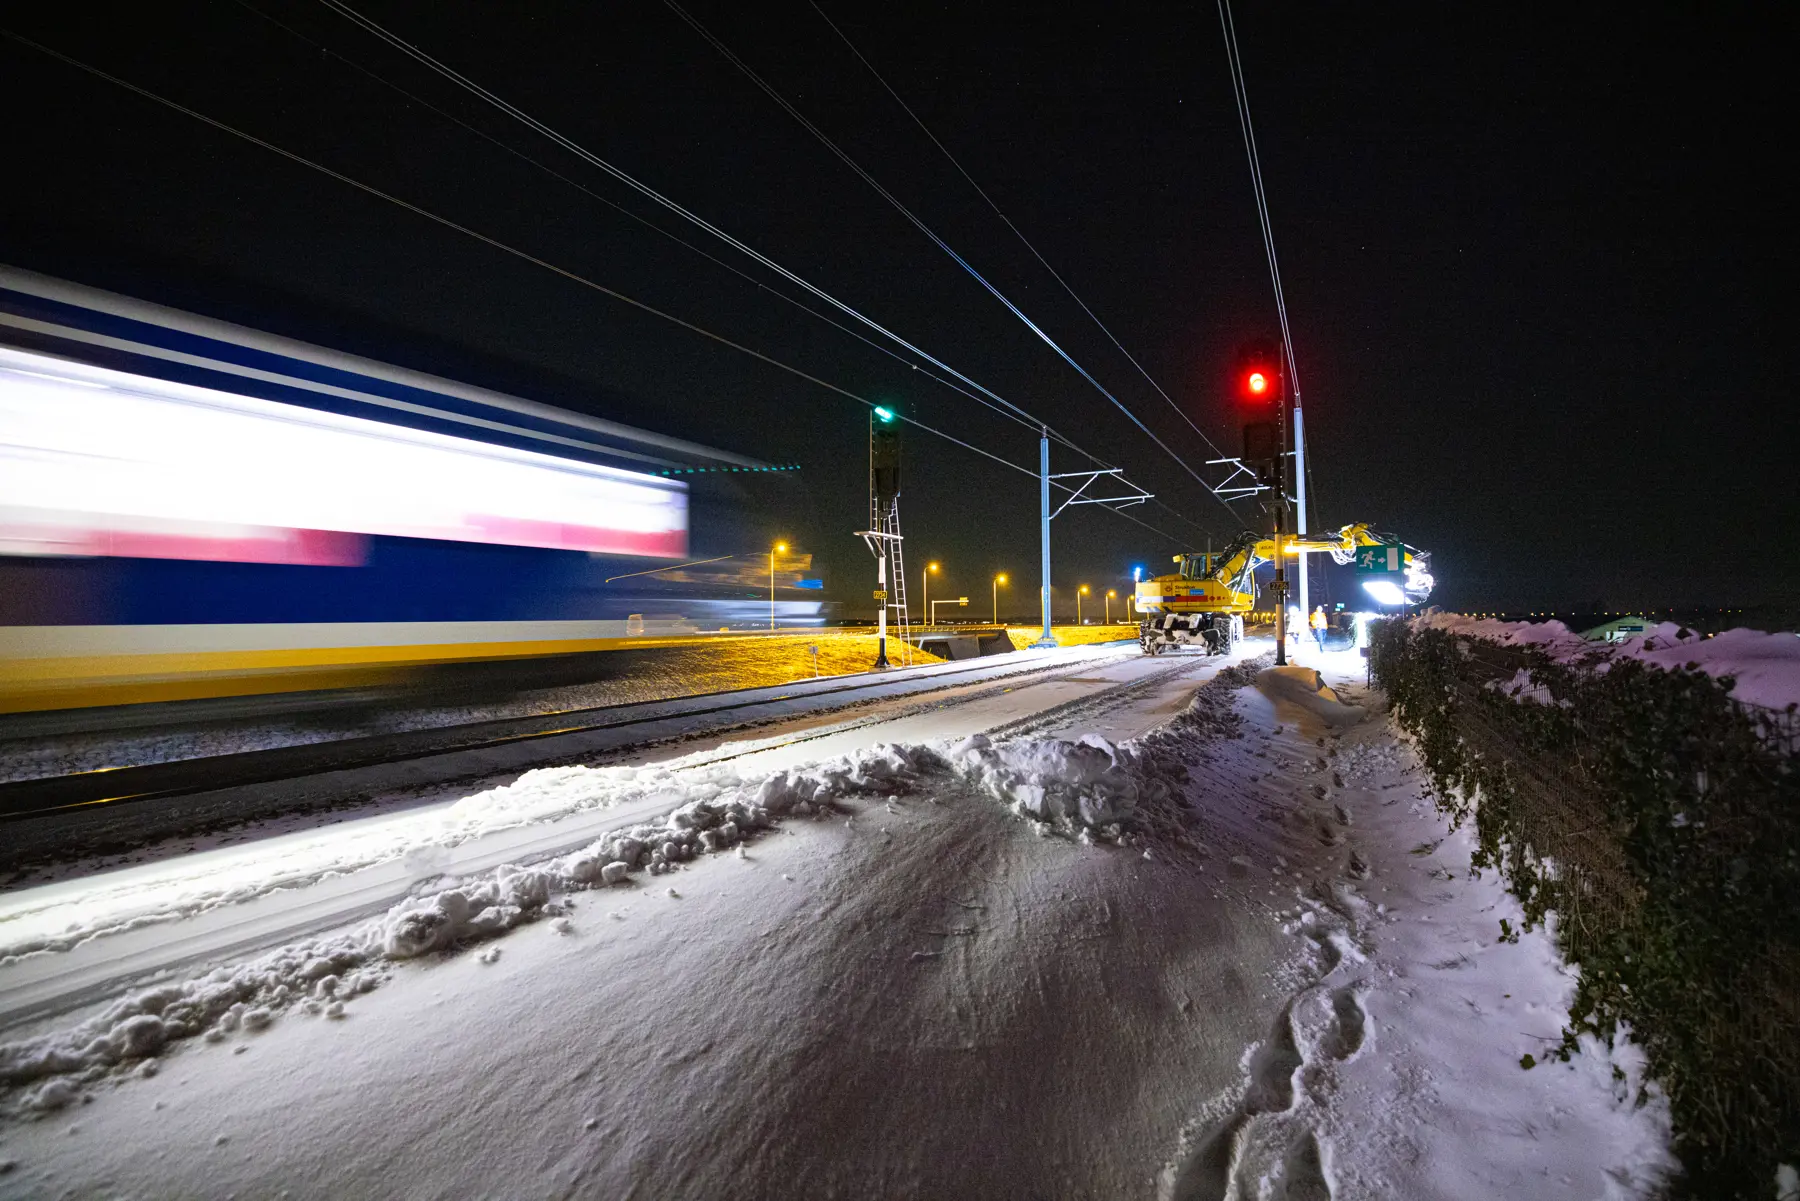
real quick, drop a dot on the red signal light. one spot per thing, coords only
(1258, 373)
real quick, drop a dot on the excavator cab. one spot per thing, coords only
(1194, 567)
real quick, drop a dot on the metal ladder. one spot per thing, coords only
(888, 523)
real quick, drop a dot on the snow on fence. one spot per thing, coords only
(1652, 820)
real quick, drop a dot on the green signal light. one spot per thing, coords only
(884, 414)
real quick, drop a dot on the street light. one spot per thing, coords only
(998, 580)
(925, 579)
(1079, 593)
(778, 548)
(1110, 593)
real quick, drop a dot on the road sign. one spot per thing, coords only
(881, 594)
(1379, 560)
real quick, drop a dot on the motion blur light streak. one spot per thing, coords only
(155, 469)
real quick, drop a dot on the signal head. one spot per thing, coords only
(1258, 372)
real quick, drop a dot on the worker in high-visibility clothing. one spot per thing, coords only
(1317, 622)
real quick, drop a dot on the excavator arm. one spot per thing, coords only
(1206, 598)
(1342, 546)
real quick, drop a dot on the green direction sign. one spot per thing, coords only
(1379, 560)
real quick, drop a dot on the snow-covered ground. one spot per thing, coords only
(1235, 954)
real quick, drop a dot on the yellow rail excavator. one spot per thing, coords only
(1204, 601)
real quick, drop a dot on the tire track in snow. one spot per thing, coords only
(1097, 704)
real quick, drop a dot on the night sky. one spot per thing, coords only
(1530, 258)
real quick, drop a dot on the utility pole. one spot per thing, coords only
(1046, 638)
(1077, 496)
(782, 548)
(1300, 505)
(881, 591)
(1281, 496)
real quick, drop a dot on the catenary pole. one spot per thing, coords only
(1046, 638)
(1300, 506)
(1281, 504)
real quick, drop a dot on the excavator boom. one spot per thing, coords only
(1206, 598)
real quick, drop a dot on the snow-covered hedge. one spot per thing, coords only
(1652, 818)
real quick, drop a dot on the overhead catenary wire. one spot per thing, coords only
(622, 210)
(526, 256)
(805, 123)
(1017, 232)
(1240, 95)
(651, 225)
(419, 55)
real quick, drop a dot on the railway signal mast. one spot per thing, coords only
(1287, 382)
(883, 536)
(1262, 391)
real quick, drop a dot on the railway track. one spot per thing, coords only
(481, 747)
(143, 948)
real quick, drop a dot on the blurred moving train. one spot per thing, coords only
(190, 508)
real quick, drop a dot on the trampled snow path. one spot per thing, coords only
(1395, 1069)
(915, 991)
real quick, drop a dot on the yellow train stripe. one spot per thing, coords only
(81, 681)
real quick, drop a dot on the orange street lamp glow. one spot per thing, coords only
(780, 548)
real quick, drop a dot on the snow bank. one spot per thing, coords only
(1764, 666)
(1071, 787)
(1090, 782)
(1307, 688)
(1550, 636)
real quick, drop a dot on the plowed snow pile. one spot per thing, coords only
(1236, 958)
